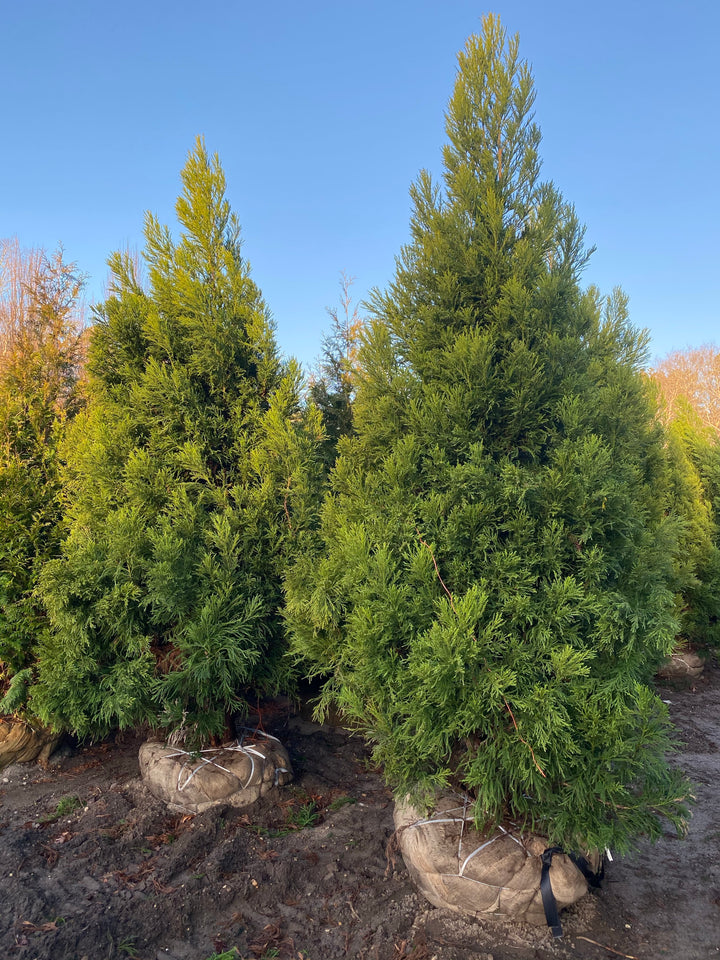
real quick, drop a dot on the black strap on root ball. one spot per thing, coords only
(548, 897)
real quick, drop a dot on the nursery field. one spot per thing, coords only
(94, 868)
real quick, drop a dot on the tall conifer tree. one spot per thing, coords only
(187, 483)
(490, 593)
(694, 458)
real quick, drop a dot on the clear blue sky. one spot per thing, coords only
(324, 112)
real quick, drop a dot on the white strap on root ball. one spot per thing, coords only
(237, 774)
(458, 868)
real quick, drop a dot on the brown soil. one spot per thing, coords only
(307, 874)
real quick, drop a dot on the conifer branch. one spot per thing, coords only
(285, 504)
(452, 604)
(437, 571)
(532, 752)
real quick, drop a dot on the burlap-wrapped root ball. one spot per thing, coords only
(21, 743)
(460, 869)
(237, 774)
(681, 666)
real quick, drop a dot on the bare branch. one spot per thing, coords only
(693, 377)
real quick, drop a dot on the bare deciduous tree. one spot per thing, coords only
(332, 387)
(341, 344)
(42, 323)
(693, 377)
(17, 269)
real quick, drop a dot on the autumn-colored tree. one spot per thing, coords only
(693, 377)
(41, 323)
(41, 355)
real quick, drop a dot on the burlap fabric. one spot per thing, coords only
(460, 869)
(237, 774)
(21, 743)
(682, 665)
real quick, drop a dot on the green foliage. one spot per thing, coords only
(127, 946)
(189, 481)
(685, 385)
(65, 806)
(304, 816)
(694, 458)
(41, 332)
(68, 805)
(492, 587)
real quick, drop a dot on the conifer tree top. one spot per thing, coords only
(201, 310)
(491, 160)
(492, 233)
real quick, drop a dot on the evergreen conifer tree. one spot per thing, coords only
(491, 589)
(187, 483)
(694, 459)
(41, 354)
(685, 384)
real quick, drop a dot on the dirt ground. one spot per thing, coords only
(305, 875)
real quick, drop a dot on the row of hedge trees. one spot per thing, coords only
(491, 573)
